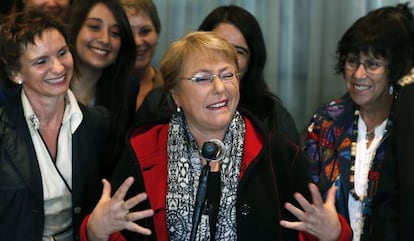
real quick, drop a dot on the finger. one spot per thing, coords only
(106, 192)
(295, 211)
(134, 216)
(123, 189)
(135, 200)
(308, 207)
(292, 225)
(316, 195)
(330, 197)
(138, 229)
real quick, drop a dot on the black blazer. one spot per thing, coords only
(393, 204)
(21, 193)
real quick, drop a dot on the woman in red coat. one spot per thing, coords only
(249, 183)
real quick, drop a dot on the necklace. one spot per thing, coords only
(369, 136)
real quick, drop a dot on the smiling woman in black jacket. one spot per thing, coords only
(51, 147)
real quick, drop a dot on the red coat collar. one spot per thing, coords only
(151, 150)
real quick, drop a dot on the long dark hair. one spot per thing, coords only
(254, 92)
(111, 89)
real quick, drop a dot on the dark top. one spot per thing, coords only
(7, 91)
(393, 208)
(21, 192)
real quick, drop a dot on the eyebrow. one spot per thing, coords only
(116, 25)
(94, 18)
(209, 71)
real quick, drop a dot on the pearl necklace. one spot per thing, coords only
(353, 151)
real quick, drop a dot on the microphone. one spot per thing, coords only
(212, 150)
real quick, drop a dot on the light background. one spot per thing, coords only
(300, 36)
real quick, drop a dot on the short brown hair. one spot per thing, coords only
(205, 44)
(18, 32)
(144, 5)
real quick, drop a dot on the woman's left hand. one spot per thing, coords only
(112, 214)
(319, 219)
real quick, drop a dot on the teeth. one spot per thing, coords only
(361, 87)
(218, 105)
(54, 81)
(98, 51)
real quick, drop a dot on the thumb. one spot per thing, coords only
(106, 192)
(330, 197)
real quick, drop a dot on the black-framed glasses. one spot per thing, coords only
(371, 66)
(203, 78)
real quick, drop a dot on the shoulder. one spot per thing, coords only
(406, 93)
(156, 108)
(149, 142)
(97, 112)
(258, 137)
(336, 113)
(158, 79)
(337, 108)
(95, 118)
(12, 111)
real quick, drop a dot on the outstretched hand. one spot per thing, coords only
(319, 219)
(112, 214)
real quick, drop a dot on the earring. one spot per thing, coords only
(20, 81)
(390, 90)
(178, 109)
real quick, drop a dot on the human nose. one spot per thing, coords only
(138, 39)
(360, 71)
(217, 83)
(51, 3)
(104, 37)
(57, 66)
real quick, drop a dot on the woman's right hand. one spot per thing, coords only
(112, 214)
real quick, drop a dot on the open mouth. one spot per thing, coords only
(360, 87)
(56, 80)
(217, 105)
(100, 51)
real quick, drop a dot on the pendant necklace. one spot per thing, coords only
(370, 134)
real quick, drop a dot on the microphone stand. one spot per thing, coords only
(212, 150)
(200, 200)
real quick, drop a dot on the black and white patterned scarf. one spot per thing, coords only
(184, 169)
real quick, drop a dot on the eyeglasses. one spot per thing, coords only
(204, 78)
(371, 66)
